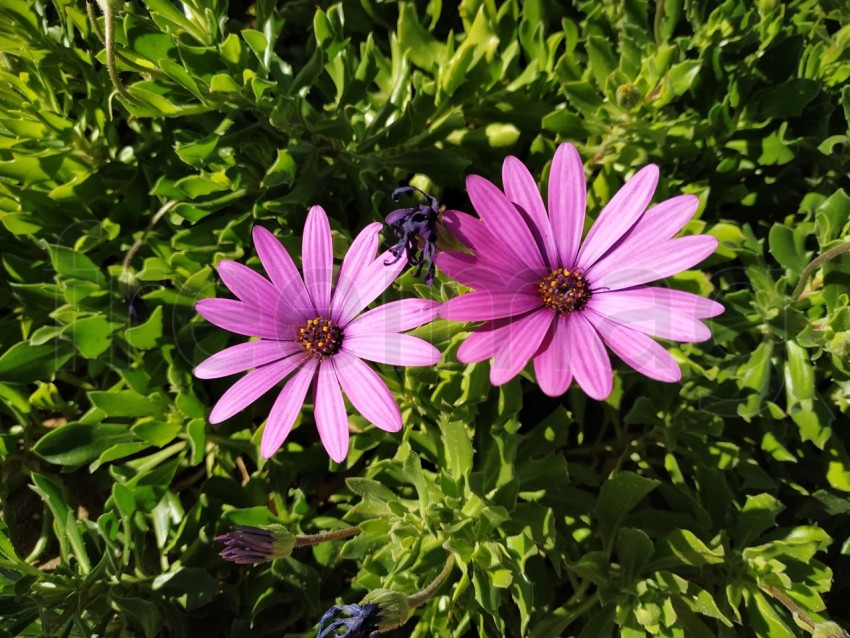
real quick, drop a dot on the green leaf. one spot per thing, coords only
(617, 497)
(25, 363)
(74, 264)
(92, 336)
(127, 403)
(78, 443)
(146, 335)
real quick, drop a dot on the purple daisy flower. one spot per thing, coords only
(313, 333)
(544, 294)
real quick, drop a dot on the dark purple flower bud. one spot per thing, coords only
(356, 621)
(416, 231)
(250, 545)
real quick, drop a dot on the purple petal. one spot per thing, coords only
(286, 409)
(474, 272)
(369, 285)
(552, 365)
(317, 258)
(522, 190)
(359, 256)
(519, 345)
(392, 348)
(483, 343)
(242, 319)
(639, 312)
(473, 234)
(396, 316)
(671, 258)
(329, 410)
(567, 202)
(589, 360)
(657, 226)
(637, 350)
(621, 213)
(282, 271)
(244, 357)
(639, 300)
(482, 305)
(503, 220)
(367, 392)
(251, 387)
(257, 291)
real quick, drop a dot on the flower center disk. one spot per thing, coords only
(564, 291)
(320, 338)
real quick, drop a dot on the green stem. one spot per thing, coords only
(421, 597)
(125, 266)
(108, 39)
(832, 253)
(333, 535)
(789, 604)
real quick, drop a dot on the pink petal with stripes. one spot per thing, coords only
(243, 319)
(329, 410)
(393, 349)
(317, 258)
(251, 387)
(522, 190)
(621, 213)
(369, 285)
(503, 220)
(482, 305)
(359, 256)
(637, 350)
(521, 343)
(395, 316)
(282, 271)
(367, 392)
(286, 409)
(243, 357)
(589, 360)
(567, 202)
(552, 364)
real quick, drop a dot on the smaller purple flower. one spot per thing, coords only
(251, 545)
(361, 621)
(416, 230)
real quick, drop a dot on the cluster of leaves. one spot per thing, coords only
(693, 509)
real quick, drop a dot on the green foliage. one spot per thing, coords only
(669, 510)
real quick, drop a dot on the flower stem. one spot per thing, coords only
(789, 604)
(333, 535)
(832, 253)
(421, 597)
(108, 8)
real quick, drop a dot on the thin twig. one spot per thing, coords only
(421, 597)
(832, 253)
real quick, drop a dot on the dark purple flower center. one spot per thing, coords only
(564, 291)
(320, 338)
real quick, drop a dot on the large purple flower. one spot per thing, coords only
(313, 333)
(545, 294)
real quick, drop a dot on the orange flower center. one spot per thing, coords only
(564, 291)
(320, 338)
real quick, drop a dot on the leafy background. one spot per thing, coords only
(690, 509)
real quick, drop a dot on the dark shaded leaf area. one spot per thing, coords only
(708, 507)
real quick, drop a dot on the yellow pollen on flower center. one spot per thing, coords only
(564, 290)
(320, 338)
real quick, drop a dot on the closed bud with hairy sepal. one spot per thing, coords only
(250, 545)
(393, 608)
(829, 630)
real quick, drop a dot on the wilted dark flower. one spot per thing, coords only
(249, 545)
(416, 230)
(361, 621)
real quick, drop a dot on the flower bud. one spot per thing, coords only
(393, 608)
(250, 545)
